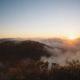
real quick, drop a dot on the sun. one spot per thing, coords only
(71, 37)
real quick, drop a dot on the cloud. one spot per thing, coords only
(62, 51)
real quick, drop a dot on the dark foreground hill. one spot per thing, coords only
(12, 50)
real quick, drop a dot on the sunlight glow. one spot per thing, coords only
(71, 36)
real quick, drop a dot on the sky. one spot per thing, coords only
(39, 18)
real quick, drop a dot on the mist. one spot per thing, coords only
(62, 51)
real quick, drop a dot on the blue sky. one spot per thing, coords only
(39, 18)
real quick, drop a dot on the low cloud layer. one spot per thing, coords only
(62, 50)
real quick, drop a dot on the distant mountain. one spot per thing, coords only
(10, 50)
(11, 39)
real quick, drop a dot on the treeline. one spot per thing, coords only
(36, 70)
